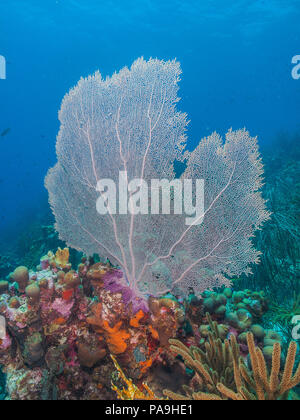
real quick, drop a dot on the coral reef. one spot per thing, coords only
(221, 374)
(258, 384)
(81, 333)
(63, 324)
(131, 392)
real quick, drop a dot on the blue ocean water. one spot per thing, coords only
(241, 68)
(235, 55)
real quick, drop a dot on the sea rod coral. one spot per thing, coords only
(128, 124)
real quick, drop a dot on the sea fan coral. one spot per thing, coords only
(126, 128)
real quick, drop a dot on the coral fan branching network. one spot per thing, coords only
(129, 123)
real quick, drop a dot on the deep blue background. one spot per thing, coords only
(235, 55)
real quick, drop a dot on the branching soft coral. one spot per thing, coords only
(212, 367)
(260, 384)
(249, 384)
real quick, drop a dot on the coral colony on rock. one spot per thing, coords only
(157, 315)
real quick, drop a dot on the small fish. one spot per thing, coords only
(5, 132)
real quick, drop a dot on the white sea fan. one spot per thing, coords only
(129, 122)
